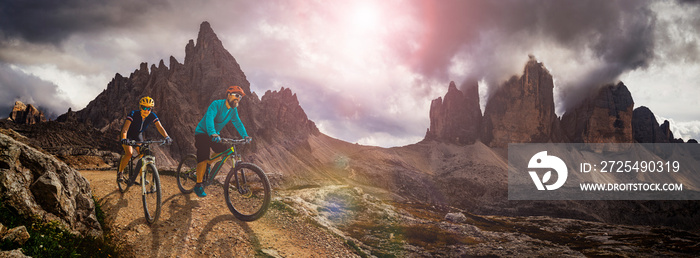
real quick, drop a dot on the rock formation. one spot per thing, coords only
(279, 115)
(521, 110)
(26, 114)
(38, 185)
(666, 133)
(69, 116)
(457, 118)
(645, 127)
(605, 117)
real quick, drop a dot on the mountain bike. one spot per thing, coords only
(150, 180)
(246, 188)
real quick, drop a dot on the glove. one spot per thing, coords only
(168, 140)
(248, 139)
(215, 138)
(125, 141)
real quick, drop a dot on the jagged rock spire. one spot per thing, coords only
(457, 117)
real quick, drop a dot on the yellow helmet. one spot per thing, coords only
(146, 102)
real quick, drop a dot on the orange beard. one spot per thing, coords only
(144, 114)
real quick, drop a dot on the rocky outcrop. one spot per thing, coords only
(457, 118)
(666, 133)
(69, 117)
(26, 114)
(280, 114)
(645, 127)
(521, 110)
(605, 117)
(38, 185)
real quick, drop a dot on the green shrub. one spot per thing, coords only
(51, 239)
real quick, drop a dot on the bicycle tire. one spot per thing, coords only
(249, 205)
(152, 197)
(187, 174)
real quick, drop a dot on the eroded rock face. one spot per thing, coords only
(645, 127)
(605, 117)
(666, 133)
(281, 115)
(522, 110)
(36, 184)
(457, 117)
(26, 114)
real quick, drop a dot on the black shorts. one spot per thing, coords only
(135, 137)
(203, 144)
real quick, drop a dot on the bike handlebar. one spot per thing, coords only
(235, 141)
(134, 143)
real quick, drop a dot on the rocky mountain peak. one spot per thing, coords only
(281, 116)
(606, 116)
(206, 37)
(457, 118)
(666, 133)
(522, 109)
(645, 127)
(26, 114)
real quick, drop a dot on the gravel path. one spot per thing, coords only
(191, 226)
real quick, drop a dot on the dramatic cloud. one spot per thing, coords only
(29, 89)
(366, 71)
(47, 21)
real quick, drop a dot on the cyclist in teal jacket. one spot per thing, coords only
(206, 135)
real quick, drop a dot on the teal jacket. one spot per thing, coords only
(217, 116)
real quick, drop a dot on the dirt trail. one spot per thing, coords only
(191, 226)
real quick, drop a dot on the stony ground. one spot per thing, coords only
(192, 226)
(345, 221)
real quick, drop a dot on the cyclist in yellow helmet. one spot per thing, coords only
(136, 122)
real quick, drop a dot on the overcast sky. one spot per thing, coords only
(364, 71)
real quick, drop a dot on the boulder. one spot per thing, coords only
(521, 110)
(457, 118)
(17, 235)
(17, 253)
(457, 217)
(38, 185)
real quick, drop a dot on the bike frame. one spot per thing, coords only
(145, 160)
(215, 170)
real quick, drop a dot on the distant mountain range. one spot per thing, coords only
(461, 162)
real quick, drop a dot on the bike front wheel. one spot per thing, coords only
(247, 192)
(150, 184)
(187, 174)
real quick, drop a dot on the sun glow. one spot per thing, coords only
(364, 18)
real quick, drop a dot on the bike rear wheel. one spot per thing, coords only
(152, 196)
(187, 174)
(247, 192)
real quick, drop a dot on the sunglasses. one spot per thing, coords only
(146, 108)
(238, 95)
